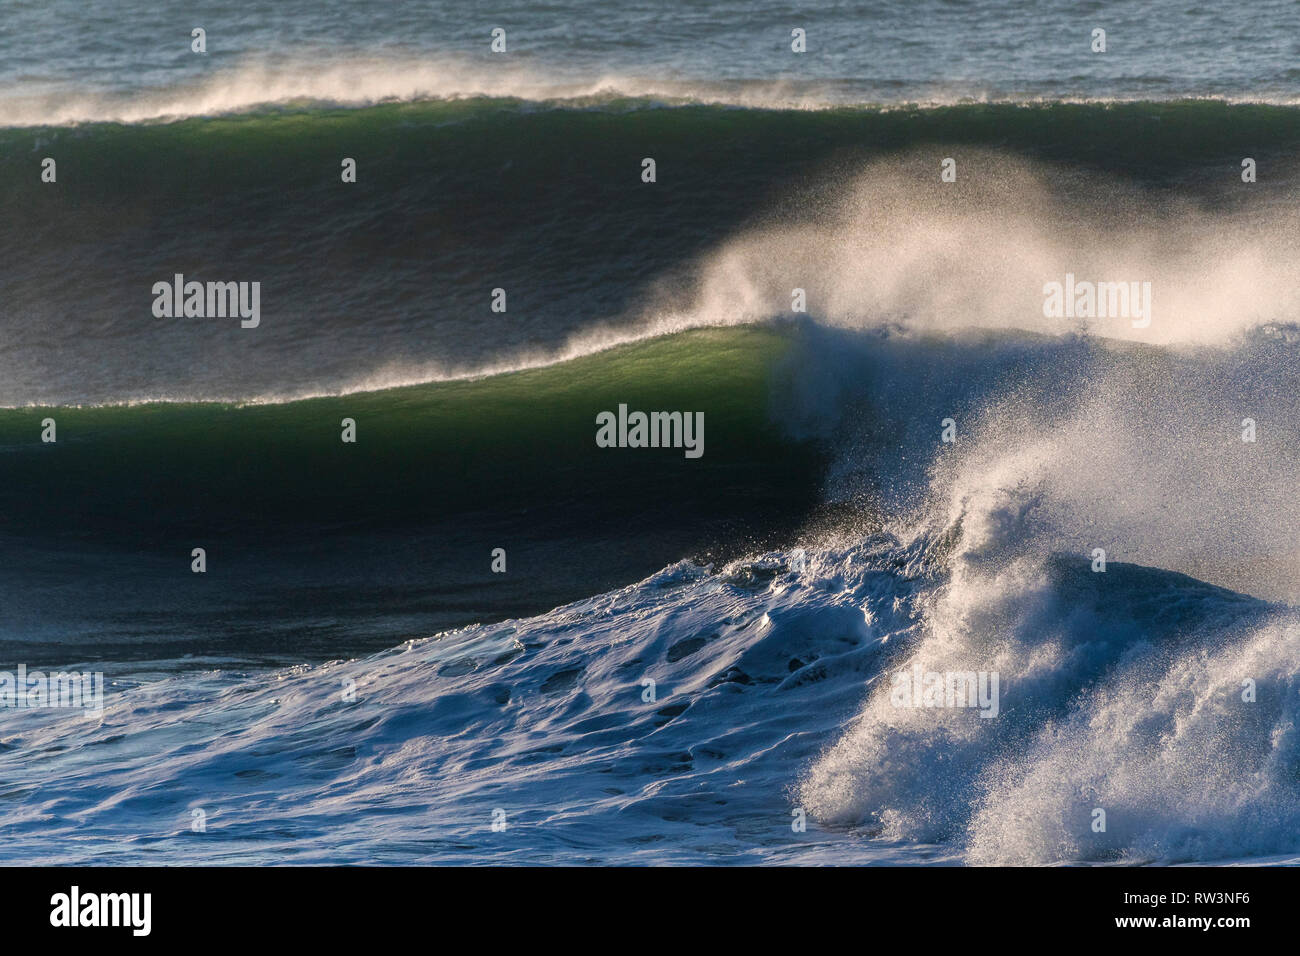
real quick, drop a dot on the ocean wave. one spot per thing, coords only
(393, 277)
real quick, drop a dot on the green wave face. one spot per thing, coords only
(317, 548)
(423, 454)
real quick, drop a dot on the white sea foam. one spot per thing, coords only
(359, 79)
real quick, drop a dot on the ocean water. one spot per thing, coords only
(685, 660)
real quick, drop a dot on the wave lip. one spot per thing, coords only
(360, 80)
(259, 85)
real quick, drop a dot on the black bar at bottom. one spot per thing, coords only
(598, 907)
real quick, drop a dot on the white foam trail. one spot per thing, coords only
(361, 79)
(364, 81)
